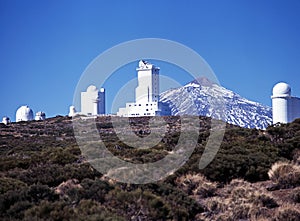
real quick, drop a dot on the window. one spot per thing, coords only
(147, 109)
(140, 105)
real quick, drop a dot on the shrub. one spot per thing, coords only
(295, 195)
(286, 175)
(196, 184)
(288, 212)
(7, 184)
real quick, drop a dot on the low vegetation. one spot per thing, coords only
(254, 176)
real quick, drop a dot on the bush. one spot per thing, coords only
(197, 185)
(288, 212)
(295, 195)
(286, 175)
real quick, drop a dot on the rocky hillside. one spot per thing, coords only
(254, 176)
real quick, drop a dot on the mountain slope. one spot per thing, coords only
(232, 108)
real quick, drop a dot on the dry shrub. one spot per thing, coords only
(241, 200)
(296, 157)
(196, 184)
(286, 175)
(295, 195)
(62, 188)
(288, 212)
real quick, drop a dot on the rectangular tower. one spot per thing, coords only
(148, 83)
(102, 101)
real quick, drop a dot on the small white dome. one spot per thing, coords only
(24, 113)
(40, 116)
(102, 90)
(282, 89)
(91, 88)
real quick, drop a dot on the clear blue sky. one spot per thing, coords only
(46, 45)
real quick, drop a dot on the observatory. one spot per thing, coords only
(5, 120)
(24, 113)
(40, 116)
(285, 107)
(92, 101)
(146, 94)
(72, 111)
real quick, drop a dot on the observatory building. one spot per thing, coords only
(146, 94)
(5, 120)
(285, 107)
(40, 116)
(24, 113)
(72, 111)
(92, 101)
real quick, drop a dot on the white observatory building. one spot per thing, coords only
(5, 120)
(24, 113)
(146, 94)
(40, 116)
(92, 101)
(285, 107)
(72, 111)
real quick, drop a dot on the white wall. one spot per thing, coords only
(295, 108)
(148, 83)
(280, 110)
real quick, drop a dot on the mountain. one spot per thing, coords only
(204, 98)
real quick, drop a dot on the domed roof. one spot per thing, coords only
(282, 89)
(91, 88)
(24, 113)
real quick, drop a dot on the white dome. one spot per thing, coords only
(24, 113)
(91, 88)
(282, 89)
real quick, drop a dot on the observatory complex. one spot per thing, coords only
(285, 107)
(25, 113)
(146, 94)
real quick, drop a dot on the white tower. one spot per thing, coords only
(281, 103)
(72, 111)
(24, 113)
(148, 83)
(90, 101)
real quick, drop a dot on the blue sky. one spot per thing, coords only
(46, 45)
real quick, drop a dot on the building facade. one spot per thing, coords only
(146, 94)
(93, 101)
(285, 107)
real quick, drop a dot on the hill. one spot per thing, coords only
(44, 176)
